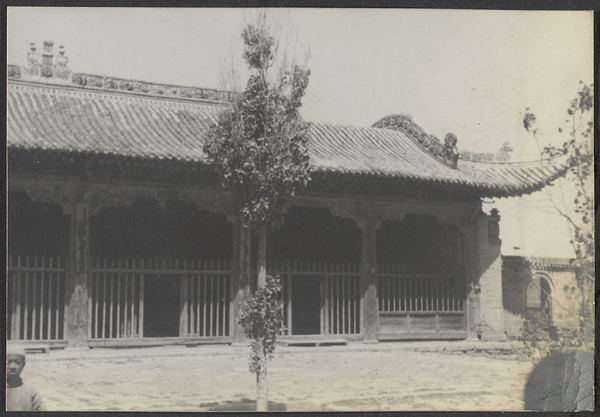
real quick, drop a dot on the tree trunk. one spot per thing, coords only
(262, 388)
(262, 257)
(240, 280)
(245, 252)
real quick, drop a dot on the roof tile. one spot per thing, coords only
(96, 121)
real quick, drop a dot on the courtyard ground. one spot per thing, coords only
(404, 376)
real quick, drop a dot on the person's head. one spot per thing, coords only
(15, 362)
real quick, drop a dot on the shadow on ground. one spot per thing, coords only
(243, 404)
(562, 382)
(543, 391)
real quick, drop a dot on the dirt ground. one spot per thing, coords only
(357, 377)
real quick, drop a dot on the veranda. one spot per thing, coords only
(166, 272)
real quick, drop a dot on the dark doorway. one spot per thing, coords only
(546, 301)
(36, 228)
(146, 229)
(306, 305)
(314, 235)
(161, 306)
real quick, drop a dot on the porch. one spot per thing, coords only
(385, 280)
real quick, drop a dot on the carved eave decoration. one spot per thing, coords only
(446, 152)
(458, 214)
(68, 193)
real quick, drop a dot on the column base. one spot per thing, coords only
(371, 342)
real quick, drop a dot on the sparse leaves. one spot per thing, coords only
(529, 121)
(259, 52)
(577, 149)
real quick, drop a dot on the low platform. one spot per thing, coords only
(314, 342)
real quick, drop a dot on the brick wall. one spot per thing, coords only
(515, 276)
(492, 325)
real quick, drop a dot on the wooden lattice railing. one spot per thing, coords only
(116, 304)
(339, 293)
(36, 298)
(420, 289)
(206, 300)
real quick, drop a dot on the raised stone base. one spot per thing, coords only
(493, 337)
(77, 349)
(240, 344)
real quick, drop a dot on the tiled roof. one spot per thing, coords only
(79, 120)
(84, 120)
(393, 153)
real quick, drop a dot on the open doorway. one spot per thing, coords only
(161, 306)
(546, 301)
(306, 305)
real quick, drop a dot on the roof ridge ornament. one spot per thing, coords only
(450, 150)
(42, 67)
(48, 70)
(33, 61)
(47, 56)
(446, 152)
(60, 65)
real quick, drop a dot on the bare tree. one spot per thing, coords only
(577, 152)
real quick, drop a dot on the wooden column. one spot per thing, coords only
(183, 313)
(78, 277)
(368, 280)
(240, 284)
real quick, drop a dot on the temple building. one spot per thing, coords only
(119, 234)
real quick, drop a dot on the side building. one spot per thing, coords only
(119, 234)
(542, 297)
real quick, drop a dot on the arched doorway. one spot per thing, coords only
(546, 300)
(539, 300)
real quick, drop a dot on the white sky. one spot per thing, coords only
(468, 72)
